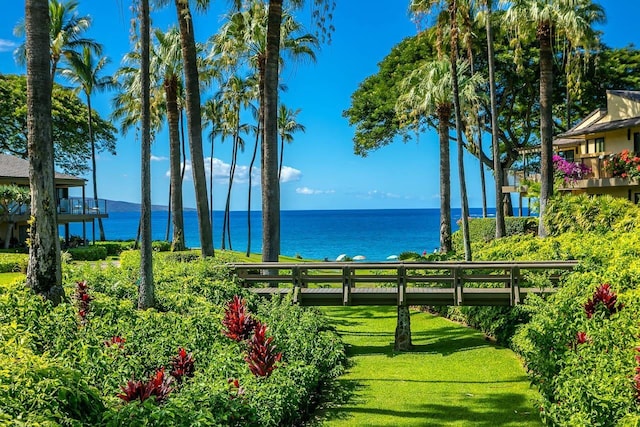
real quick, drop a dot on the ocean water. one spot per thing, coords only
(374, 234)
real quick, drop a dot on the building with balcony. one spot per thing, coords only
(14, 170)
(592, 142)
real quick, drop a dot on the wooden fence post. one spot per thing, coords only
(403, 325)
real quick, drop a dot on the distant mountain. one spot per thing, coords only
(119, 206)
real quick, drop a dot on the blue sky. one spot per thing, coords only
(321, 171)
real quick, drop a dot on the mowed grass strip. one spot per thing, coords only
(453, 377)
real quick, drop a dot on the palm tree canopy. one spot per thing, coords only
(429, 87)
(287, 123)
(572, 20)
(84, 71)
(65, 32)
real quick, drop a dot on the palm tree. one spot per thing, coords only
(65, 31)
(236, 95)
(453, 11)
(428, 90)
(287, 126)
(84, 71)
(546, 21)
(243, 40)
(44, 269)
(495, 141)
(146, 288)
(194, 123)
(167, 61)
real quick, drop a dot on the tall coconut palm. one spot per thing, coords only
(495, 141)
(453, 11)
(167, 62)
(428, 90)
(44, 270)
(548, 21)
(287, 126)
(66, 30)
(146, 288)
(84, 71)
(236, 96)
(243, 41)
(194, 123)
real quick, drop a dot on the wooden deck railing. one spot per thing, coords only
(403, 283)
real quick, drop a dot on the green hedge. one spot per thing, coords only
(482, 230)
(56, 369)
(13, 263)
(88, 253)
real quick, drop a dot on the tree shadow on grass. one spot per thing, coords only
(491, 410)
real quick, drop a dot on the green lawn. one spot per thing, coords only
(454, 377)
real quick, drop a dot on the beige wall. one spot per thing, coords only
(619, 108)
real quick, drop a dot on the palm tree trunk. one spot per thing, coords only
(444, 114)
(483, 185)
(456, 105)
(270, 183)
(194, 124)
(253, 160)
(495, 143)
(546, 123)
(281, 157)
(146, 289)
(44, 270)
(176, 211)
(94, 174)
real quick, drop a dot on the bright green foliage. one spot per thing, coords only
(584, 214)
(484, 229)
(584, 381)
(88, 253)
(13, 262)
(70, 374)
(69, 127)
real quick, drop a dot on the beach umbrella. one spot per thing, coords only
(341, 257)
(392, 257)
(359, 257)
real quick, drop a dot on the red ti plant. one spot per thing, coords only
(237, 320)
(83, 298)
(182, 365)
(261, 354)
(235, 389)
(159, 385)
(636, 377)
(605, 296)
(115, 341)
(581, 338)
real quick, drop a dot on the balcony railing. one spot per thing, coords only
(75, 206)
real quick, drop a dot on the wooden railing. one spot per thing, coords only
(403, 283)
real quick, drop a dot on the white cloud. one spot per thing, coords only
(377, 194)
(309, 191)
(290, 174)
(7, 45)
(158, 158)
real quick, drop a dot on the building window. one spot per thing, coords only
(599, 145)
(636, 142)
(568, 155)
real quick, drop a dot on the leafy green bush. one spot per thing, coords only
(161, 245)
(484, 229)
(13, 263)
(71, 367)
(585, 214)
(113, 248)
(88, 253)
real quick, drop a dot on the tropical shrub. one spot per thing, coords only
(88, 253)
(166, 366)
(13, 263)
(484, 229)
